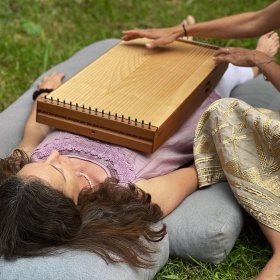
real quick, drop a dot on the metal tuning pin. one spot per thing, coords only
(51, 99)
(102, 113)
(57, 101)
(64, 103)
(150, 125)
(128, 120)
(83, 107)
(135, 121)
(96, 112)
(77, 106)
(109, 115)
(142, 123)
(70, 104)
(89, 110)
(116, 116)
(45, 97)
(122, 118)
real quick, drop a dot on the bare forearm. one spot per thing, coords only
(169, 190)
(33, 133)
(251, 58)
(245, 25)
(237, 26)
(271, 72)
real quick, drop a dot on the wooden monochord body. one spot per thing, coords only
(133, 96)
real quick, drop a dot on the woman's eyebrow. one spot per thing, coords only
(59, 170)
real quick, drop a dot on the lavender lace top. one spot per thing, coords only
(122, 163)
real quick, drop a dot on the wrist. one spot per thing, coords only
(36, 93)
(261, 59)
(179, 30)
(184, 26)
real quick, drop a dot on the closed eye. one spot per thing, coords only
(59, 170)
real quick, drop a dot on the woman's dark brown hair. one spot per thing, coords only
(116, 222)
(12, 164)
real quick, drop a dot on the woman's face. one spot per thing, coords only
(58, 171)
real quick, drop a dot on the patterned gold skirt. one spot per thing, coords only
(240, 144)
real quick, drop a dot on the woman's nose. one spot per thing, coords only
(54, 155)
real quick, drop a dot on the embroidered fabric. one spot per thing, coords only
(114, 159)
(239, 143)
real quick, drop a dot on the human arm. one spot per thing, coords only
(245, 25)
(251, 58)
(169, 190)
(35, 132)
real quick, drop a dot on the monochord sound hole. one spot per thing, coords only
(207, 86)
(93, 131)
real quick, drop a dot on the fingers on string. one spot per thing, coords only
(155, 43)
(160, 42)
(223, 51)
(133, 34)
(222, 55)
(129, 36)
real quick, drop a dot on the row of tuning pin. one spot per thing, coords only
(102, 113)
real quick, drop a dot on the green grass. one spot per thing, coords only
(38, 34)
